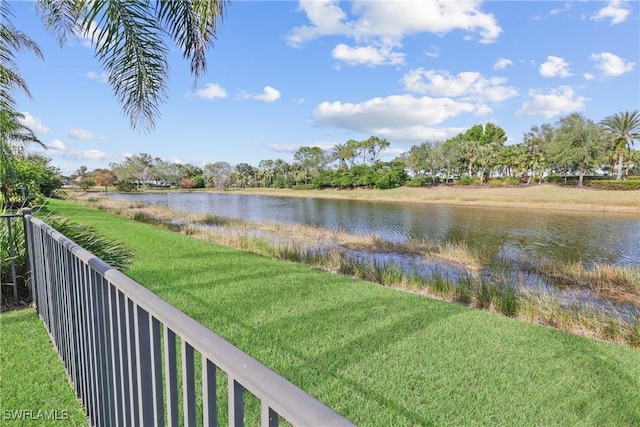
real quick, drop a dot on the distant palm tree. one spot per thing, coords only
(623, 129)
(341, 152)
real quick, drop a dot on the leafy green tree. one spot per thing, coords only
(311, 160)
(136, 168)
(374, 146)
(577, 144)
(537, 142)
(36, 175)
(482, 145)
(622, 129)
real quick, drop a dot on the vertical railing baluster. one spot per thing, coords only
(125, 391)
(144, 371)
(133, 365)
(116, 379)
(188, 385)
(156, 366)
(107, 343)
(93, 354)
(69, 278)
(236, 404)
(83, 356)
(171, 376)
(209, 393)
(269, 417)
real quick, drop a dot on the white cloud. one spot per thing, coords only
(433, 52)
(56, 145)
(616, 11)
(33, 123)
(555, 67)
(87, 155)
(469, 85)
(84, 135)
(380, 25)
(502, 63)
(395, 117)
(561, 100)
(269, 94)
(394, 20)
(211, 91)
(102, 77)
(610, 64)
(367, 55)
(557, 11)
(589, 76)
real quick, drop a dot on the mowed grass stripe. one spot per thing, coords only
(377, 355)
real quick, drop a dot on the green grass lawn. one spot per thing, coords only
(32, 378)
(381, 356)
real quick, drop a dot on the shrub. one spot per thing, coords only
(422, 181)
(391, 175)
(468, 180)
(512, 181)
(615, 185)
(495, 183)
(126, 186)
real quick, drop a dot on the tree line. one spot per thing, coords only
(574, 146)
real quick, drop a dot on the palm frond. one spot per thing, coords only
(193, 26)
(60, 17)
(128, 43)
(12, 41)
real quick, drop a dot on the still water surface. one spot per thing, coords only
(536, 235)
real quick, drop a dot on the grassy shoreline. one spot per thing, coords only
(545, 196)
(377, 355)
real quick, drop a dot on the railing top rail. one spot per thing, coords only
(267, 385)
(10, 215)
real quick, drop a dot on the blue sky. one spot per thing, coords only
(286, 74)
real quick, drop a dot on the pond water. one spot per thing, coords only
(534, 235)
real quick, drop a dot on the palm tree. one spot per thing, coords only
(128, 38)
(623, 128)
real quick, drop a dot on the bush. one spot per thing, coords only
(126, 186)
(496, 183)
(512, 181)
(468, 180)
(614, 185)
(390, 175)
(422, 181)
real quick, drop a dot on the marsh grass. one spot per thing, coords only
(615, 282)
(303, 244)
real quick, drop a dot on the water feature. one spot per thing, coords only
(534, 235)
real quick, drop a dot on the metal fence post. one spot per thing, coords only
(26, 225)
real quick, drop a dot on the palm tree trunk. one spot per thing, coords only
(620, 160)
